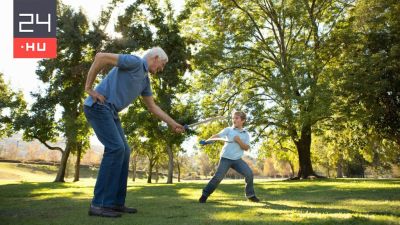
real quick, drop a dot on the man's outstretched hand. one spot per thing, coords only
(177, 128)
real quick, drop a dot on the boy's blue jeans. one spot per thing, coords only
(240, 166)
(110, 189)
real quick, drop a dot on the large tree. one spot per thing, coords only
(64, 77)
(369, 80)
(268, 57)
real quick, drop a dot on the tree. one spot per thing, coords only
(279, 150)
(271, 56)
(65, 78)
(12, 105)
(369, 80)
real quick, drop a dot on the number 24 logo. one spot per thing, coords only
(31, 21)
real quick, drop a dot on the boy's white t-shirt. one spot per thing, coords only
(232, 149)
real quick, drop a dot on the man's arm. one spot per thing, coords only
(156, 110)
(100, 61)
(243, 146)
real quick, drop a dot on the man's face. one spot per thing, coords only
(237, 121)
(157, 65)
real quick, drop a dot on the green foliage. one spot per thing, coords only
(65, 77)
(146, 24)
(278, 148)
(12, 105)
(369, 77)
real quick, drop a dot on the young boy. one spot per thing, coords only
(237, 141)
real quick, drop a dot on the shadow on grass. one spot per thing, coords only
(46, 203)
(38, 168)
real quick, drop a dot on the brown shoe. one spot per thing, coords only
(103, 211)
(254, 199)
(124, 209)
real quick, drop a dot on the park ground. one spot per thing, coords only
(27, 196)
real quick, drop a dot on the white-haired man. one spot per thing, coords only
(125, 82)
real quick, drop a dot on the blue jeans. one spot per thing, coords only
(110, 189)
(240, 166)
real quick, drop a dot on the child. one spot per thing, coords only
(238, 141)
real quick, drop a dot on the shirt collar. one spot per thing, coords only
(241, 131)
(145, 65)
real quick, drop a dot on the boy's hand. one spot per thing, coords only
(237, 139)
(244, 146)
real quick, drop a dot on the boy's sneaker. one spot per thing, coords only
(254, 199)
(203, 199)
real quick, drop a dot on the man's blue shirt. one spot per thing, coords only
(124, 83)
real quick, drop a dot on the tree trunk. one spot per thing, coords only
(134, 162)
(170, 164)
(178, 166)
(304, 151)
(291, 168)
(150, 172)
(157, 174)
(339, 168)
(78, 162)
(63, 164)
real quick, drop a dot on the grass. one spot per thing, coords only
(340, 201)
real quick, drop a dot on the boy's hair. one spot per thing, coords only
(241, 114)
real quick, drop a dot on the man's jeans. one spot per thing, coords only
(110, 189)
(240, 166)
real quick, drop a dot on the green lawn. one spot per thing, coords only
(344, 201)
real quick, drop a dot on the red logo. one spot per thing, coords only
(35, 47)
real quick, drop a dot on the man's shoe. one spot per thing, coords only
(254, 199)
(103, 211)
(124, 209)
(203, 199)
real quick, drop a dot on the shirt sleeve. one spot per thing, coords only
(147, 89)
(223, 133)
(128, 61)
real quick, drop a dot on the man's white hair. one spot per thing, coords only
(156, 51)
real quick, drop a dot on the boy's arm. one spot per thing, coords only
(212, 137)
(242, 145)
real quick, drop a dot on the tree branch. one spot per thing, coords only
(48, 146)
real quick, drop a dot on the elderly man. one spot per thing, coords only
(124, 83)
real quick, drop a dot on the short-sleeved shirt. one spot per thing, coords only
(232, 149)
(124, 83)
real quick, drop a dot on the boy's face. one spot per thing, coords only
(237, 121)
